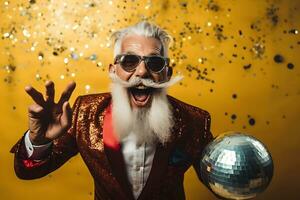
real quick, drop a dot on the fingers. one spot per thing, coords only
(35, 111)
(66, 117)
(65, 96)
(50, 92)
(35, 95)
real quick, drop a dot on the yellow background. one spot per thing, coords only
(213, 39)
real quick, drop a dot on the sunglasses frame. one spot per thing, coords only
(142, 58)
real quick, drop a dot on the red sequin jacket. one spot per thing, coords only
(190, 134)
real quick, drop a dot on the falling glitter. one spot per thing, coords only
(66, 60)
(272, 14)
(87, 88)
(41, 56)
(219, 32)
(10, 68)
(26, 33)
(258, 49)
(148, 5)
(256, 26)
(247, 66)
(290, 65)
(252, 121)
(8, 79)
(233, 116)
(201, 74)
(74, 56)
(184, 4)
(6, 35)
(58, 49)
(99, 64)
(93, 57)
(212, 6)
(278, 58)
(38, 77)
(293, 31)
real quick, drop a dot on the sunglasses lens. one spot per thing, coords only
(129, 62)
(153, 63)
(156, 63)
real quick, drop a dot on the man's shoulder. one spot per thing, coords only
(94, 99)
(187, 109)
(97, 96)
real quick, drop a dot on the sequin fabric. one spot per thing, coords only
(190, 134)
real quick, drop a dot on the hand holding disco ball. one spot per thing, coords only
(236, 166)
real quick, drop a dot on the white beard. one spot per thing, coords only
(150, 124)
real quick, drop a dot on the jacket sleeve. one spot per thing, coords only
(62, 149)
(203, 137)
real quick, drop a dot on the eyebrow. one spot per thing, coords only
(154, 54)
(130, 52)
(151, 54)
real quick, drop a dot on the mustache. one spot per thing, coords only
(135, 81)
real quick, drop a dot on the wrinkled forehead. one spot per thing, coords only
(141, 45)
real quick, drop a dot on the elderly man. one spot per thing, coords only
(136, 141)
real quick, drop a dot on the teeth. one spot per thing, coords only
(141, 87)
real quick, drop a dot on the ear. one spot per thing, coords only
(112, 68)
(169, 72)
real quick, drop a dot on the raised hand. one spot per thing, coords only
(49, 120)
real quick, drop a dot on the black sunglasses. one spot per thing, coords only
(154, 63)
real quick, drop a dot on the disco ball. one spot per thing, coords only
(236, 166)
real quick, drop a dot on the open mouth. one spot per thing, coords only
(140, 95)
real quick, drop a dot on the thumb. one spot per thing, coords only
(66, 117)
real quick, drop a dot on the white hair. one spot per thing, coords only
(149, 124)
(142, 28)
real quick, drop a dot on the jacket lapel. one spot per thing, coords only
(114, 154)
(161, 160)
(159, 166)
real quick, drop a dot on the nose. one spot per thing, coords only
(141, 70)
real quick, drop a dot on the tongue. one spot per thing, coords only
(140, 97)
